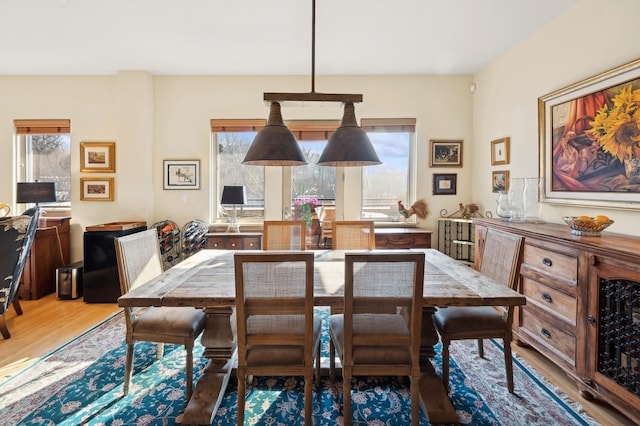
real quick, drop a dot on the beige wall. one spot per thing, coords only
(590, 38)
(154, 118)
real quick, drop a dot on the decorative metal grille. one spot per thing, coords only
(619, 333)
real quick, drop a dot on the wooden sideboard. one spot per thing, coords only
(583, 307)
(234, 240)
(50, 250)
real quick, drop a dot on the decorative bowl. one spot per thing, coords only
(586, 227)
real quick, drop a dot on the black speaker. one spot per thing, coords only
(69, 281)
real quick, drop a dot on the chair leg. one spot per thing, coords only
(3, 327)
(415, 399)
(346, 395)
(480, 348)
(160, 351)
(241, 396)
(128, 368)
(189, 350)
(332, 361)
(508, 364)
(445, 362)
(318, 364)
(16, 305)
(308, 396)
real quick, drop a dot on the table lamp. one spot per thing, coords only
(233, 195)
(36, 192)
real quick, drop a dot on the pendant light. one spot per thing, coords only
(275, 144)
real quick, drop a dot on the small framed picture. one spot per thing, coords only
(444, 184)
(445, 153)
(181, 174)
(500, 152)
(98, 157)
(500, 180)
(96, 189)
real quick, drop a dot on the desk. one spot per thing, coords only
(206, 280)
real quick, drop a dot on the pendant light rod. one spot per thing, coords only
(313, 96)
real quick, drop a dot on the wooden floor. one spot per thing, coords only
(48, 323)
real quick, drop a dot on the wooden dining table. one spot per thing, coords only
(206, 280)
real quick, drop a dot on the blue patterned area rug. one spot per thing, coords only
(81, 383)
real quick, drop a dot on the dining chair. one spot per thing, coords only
(353, 235)
(501, 260)
(372, 341)
(326, 217)
(284, 235)
(138, 259)
(16, 237)
(277, 332)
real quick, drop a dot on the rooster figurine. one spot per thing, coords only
(467, 211)
(419, 208)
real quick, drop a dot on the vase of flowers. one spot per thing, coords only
(616, 127)
(304, 209)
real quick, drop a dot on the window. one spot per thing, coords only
(383, 186)
(312, 183)
(44, 154)
(232, 141)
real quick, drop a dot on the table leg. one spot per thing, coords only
(219, 343)
(433, 392)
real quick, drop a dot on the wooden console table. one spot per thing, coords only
(234, 240)
(49, 251)
(582, 310)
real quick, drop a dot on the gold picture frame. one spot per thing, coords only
(97, 189)
(98, 157)
(500, 181)
(586, 156)
(500, 151)
(445, 153)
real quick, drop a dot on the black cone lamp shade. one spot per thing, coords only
(349, 145)
(275, 144)
(36, 192)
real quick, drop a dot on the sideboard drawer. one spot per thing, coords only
(550, 299)
(251, 243)
(556, 264)
(549, 335)
(215, 242)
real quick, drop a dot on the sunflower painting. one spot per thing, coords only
(596, 141)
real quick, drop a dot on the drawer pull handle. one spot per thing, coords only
(547, 262)
(546, 333)
(547, 298)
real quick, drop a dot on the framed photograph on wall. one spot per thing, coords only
(589, 155)
(181, 174)
(500, 151)
(444, 184)
(96, 189)
(98, 157)
(500, 180)
(445, 153)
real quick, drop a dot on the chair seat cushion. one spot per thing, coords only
(457, 319)
(372, 324)
(280, 354)
(170, 321)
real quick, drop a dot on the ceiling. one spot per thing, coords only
(263, 37)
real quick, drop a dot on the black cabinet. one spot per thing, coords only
(101, 283)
